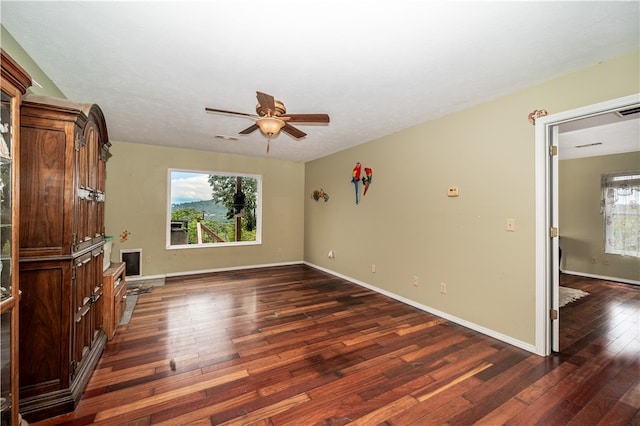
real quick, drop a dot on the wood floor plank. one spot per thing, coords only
(388, 410)
(164, 397)
(502, 414)
(293, 345)
(423, 412)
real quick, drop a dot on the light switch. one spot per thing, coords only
(511, 224)
(452, 191)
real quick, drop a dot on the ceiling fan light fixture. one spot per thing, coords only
(270, 126)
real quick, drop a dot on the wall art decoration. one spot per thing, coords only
(124, 236)
(536, 113)
(355, 177)
(318, 194)
(366, 179)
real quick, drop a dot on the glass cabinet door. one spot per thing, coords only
(13, 85)
(6, 163)
(6, 293)
(8, 298)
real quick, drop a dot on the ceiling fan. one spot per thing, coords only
(272, 117)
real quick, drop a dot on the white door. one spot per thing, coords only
(554, 258)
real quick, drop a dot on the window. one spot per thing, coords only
(213, 209)
(620, 205)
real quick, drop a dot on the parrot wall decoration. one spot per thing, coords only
(355, 177)
(366, 179)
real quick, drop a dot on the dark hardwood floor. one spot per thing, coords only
(295, 346)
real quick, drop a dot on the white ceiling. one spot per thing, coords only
(375, 67)
(603, 134)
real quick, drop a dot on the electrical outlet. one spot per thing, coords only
(416, 281)
(443, 288)
(373, 268)
(148, 259)
(594, 260)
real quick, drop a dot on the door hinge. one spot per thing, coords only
(553, 150)
(73, 272)
(553, 314)
(553, 232)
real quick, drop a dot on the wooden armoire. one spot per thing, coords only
(62, 178)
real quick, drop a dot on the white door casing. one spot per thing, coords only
(546, 264)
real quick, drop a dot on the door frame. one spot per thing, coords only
(545, 177)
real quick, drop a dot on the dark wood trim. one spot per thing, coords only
(14, 73)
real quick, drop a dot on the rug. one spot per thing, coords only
(128, 309)
(568, 295)
(132, 299)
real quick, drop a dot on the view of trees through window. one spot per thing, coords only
(213, 208)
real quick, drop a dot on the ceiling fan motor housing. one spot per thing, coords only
(280, 110)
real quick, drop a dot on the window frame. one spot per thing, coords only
(611, 181)
(258, 210)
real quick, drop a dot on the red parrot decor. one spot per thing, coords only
(355, 177)
(366, 179)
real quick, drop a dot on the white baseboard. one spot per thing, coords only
(472, 326)
(161, 277)
(231, 268)
(602, 277)
(152, 280)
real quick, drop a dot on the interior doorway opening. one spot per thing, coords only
(547, 248)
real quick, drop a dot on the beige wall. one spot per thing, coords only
(137, 202)
(581, 224)
(407, 226)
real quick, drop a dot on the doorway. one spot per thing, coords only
(547, 247)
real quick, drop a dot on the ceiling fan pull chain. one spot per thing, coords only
(268, 140)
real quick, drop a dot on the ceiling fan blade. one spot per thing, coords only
(308, 118)
(249, 129)
(267, 102)
(296, 133)
(224, 111)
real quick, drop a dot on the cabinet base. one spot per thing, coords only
(52, 404)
